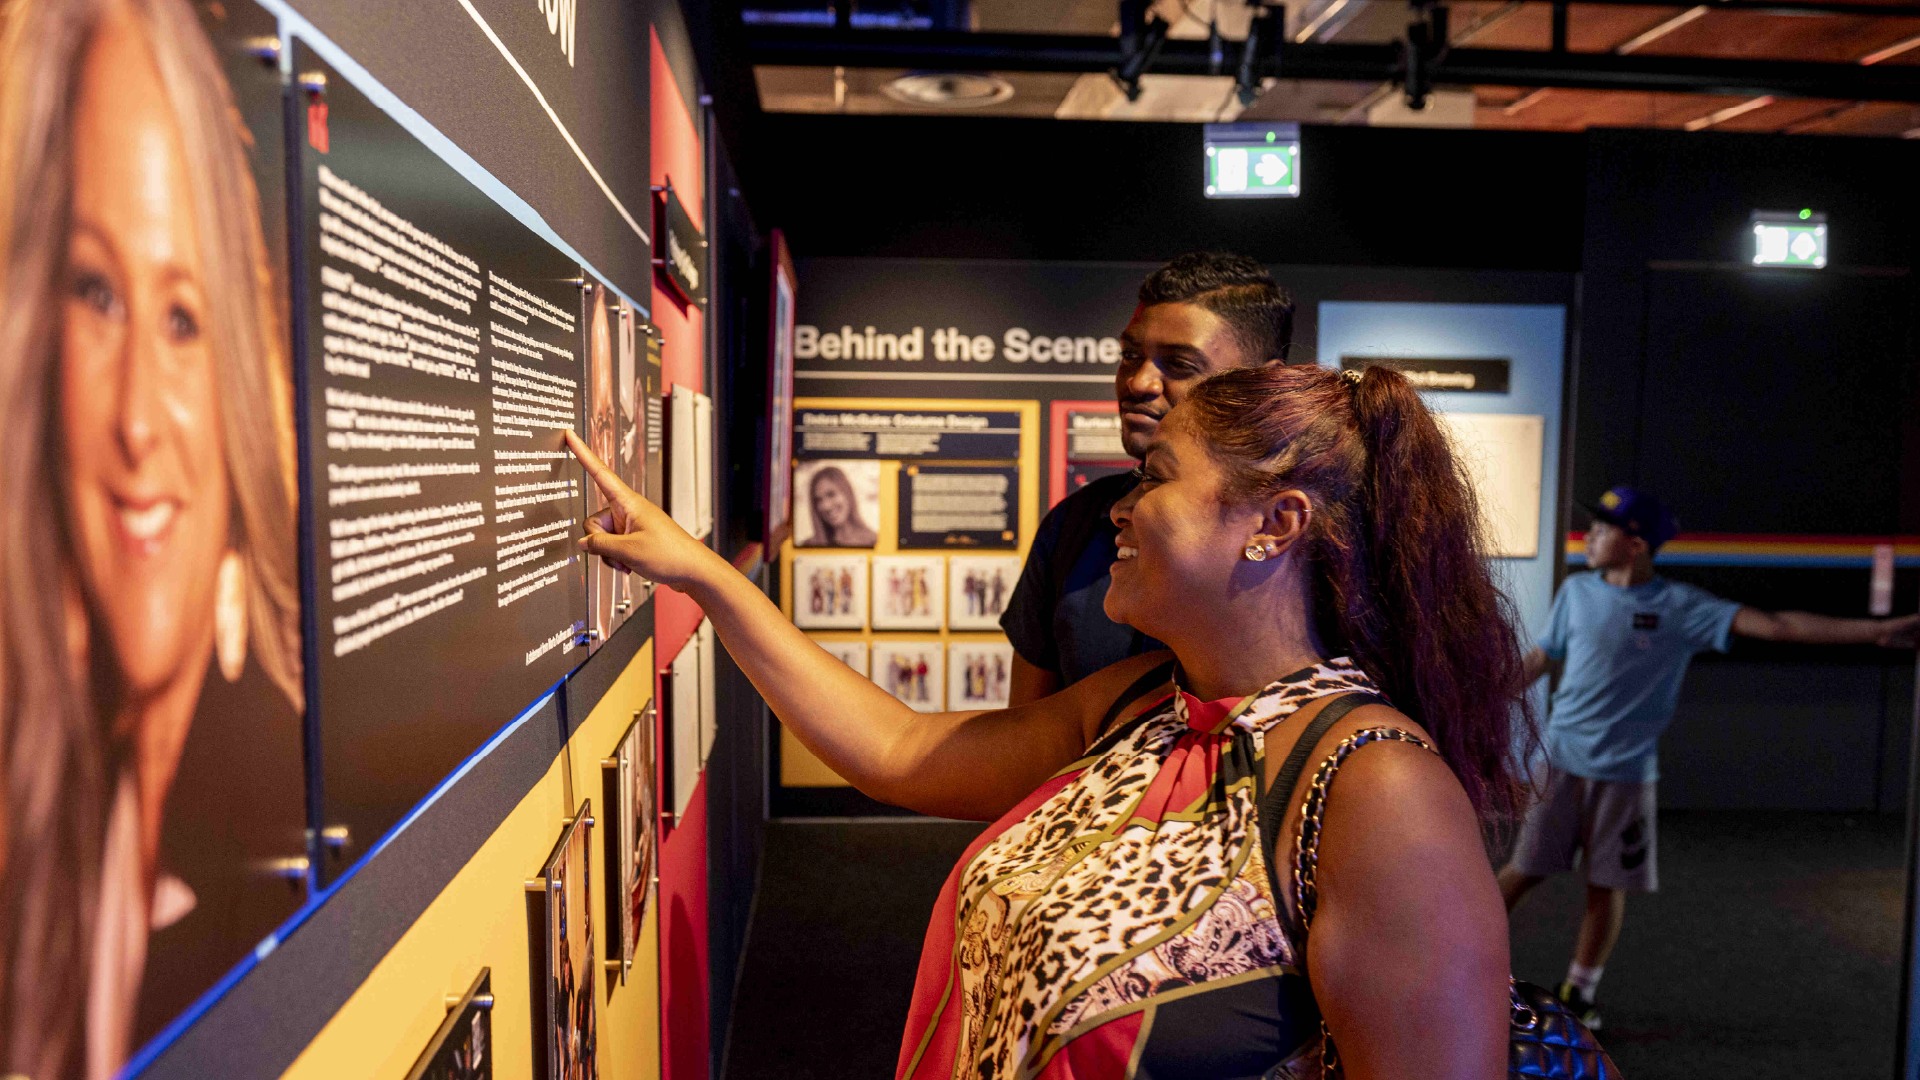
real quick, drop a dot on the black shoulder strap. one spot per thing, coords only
(1273, 804)
(1159, 674)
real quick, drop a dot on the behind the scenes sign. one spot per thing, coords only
(951, 344)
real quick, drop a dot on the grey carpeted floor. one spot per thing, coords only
(1771, 951)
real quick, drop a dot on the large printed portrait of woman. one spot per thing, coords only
(151, 793)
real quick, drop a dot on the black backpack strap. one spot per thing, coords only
(1274, 801)
(1159, 674)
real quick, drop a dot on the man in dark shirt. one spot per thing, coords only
(1199, 314)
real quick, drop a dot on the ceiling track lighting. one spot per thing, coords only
(1424, 47)
(1263, 38)
(1142, 33)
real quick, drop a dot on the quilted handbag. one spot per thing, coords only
(1546, 1040)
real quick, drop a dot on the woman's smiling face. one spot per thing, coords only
(1180, 539)
(830, 503)
(146, 477)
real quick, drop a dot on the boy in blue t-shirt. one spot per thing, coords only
(1626, 637)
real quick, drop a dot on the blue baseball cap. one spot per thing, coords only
(1638, 512)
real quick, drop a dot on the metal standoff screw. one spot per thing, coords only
(290, 869)
(313, 82)
(622, 606)
(335, 837)
(264, 49)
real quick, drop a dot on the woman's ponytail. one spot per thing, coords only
(1442, 638)
(1400, 577)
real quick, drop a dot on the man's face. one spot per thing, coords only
(1164, 351)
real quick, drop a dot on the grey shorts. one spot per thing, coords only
(1610, 823)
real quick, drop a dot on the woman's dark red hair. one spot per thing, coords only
(1400, 576)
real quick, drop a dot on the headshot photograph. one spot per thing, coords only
(637, 835)
(571, 960)
(837, 504)
(151, 631)
(607, 588)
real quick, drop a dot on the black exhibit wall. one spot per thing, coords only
(1762, 403)
(969, 187)
(1767, 403)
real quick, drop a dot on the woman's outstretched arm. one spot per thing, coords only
(973, 765)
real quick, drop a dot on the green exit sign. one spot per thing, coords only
(1792, 238)
(1253, 161)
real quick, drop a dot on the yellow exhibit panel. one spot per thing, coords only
(481, 919)
(907, 655)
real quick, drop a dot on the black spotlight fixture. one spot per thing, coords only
(1263, 36)
(1423, 49)
(1141, 34)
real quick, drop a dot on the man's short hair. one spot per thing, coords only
(1234, 287)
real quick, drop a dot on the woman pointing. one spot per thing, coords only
(1306, 546)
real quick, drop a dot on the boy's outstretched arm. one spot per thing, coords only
(1806, 628)
(1536, 664)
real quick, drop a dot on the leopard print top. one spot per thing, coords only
(1120, 922)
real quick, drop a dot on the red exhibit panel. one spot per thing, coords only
(1067, 470)
(677, 160)
(683, 944)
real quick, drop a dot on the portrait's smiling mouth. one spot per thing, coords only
(1123, 552)
(145, 523)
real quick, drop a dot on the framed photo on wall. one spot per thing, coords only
(830, 592)
(978, 588)
(632, 838)
(683, 448)
(838, 504)
(851, 653)
(609, 592)
(683, 701)
(779, 463)
(462, 1049)
(566, 960)
(909, 592)
(979, 674)
(911, 671)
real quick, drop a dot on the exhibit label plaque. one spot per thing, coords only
(683, 255)
(442, 351)
(959, 506)
(908, 433)
(1457, 375)
(1094, 436)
